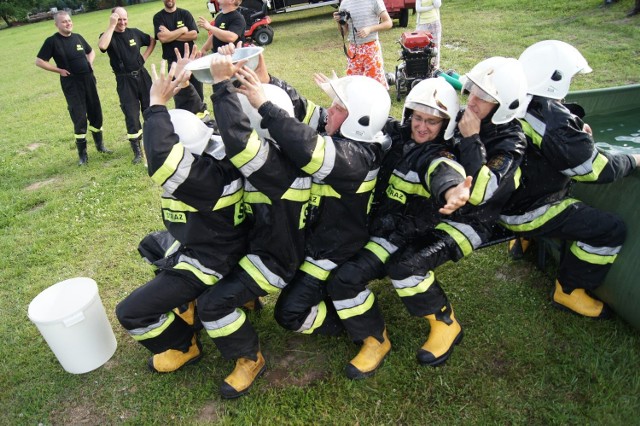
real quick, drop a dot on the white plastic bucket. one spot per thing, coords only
(72, 320)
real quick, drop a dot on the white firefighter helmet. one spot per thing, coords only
(434, 96)
(277, 96)
(550, 65)
(367, 102)
(193, 133)
(503, 80)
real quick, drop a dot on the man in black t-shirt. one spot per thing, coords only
(74, 58)
(133, 82)
(174, 27)
(228, 26)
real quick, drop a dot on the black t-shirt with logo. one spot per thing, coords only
(69, 53)
(172, 21)
(232, 21)
(124, 50)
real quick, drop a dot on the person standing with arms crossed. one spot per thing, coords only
(74, 62)
(366, 18)
(175, 28)
(133, 82)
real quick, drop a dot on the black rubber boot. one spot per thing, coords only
(81, 144)
(137, 151)
(97, 139)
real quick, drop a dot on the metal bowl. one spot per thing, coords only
(200, 68)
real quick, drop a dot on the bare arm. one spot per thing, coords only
(188, 36)
(149, 49)
(48, 66)
(385, 24)
(105, 38)
(91, 56)
(166, 36)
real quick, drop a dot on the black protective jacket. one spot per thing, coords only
(558, 152)
(201, 203)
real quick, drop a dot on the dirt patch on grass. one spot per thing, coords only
(297, 366)
(210, 413)
(82, 413)
(42, 183)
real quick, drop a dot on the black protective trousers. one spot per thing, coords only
(133, 91)
(582, 223)
(146, 305)
(83, 102)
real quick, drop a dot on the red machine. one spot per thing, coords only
(417, 51)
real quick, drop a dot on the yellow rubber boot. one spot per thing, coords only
(242, 377)
(187, 312)
(518, 247)
(445, 333)
(579, 302)
(370, 358)
(254, 305)
(174, 359)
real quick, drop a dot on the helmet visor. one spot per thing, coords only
(475, 90)
(425, 109)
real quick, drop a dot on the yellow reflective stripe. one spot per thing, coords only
(357, 310)
(311, 107)
(516, 178)
(79, 136)
(95, 129)
(378, 251)
(408, 187)
(324, 191)
(205, 278)
(257, 276)
(315, 271)
(320, 317)
(249, 152)
(303, 216)
(317, 158)
(459, 237)
(255, 197)
(300, 195)
(552, 212)
(170, 165)
(367, 186)
(480, 186)
(228, 200)
(176, 205)
(156, 331)
(453, 164)
(599, 163)
(532, 134)
(229, 328)
(422, 287)
(134, 135)
(594, 259)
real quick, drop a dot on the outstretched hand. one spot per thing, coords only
(457, 196)
(166, 85)
(222, 68)
(251, 87)
(189, 56)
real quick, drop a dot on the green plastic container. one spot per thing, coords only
(614, 115)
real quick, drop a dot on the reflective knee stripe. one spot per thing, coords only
(79, 136)
(225, 326)
(172, 248)
(381, 248)
(369, 182)
(319, 269)
(464, 235)
(95, 129)
(153, 330)
(535, 218)
(267, 280)
(484, 186)
(134, 135)
(323, 158)
(451, 163)
(314, 320)
(203, 115)
(590, 170)
(206, 275)
(413, 285)
(594, 255)
(360, 304)
(253, 156)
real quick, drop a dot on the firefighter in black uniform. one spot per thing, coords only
(202, 209)
(74, 61)
(560, 149)
(175, 27)
(276, 195)
(133, 82)
(344, 161)
(419, 176)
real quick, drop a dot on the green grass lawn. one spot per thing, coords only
(521, 362)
